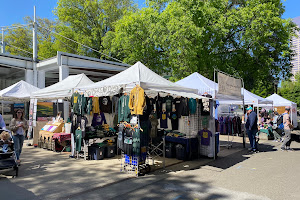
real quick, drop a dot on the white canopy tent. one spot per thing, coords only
(279, 101)
(204, 85)
(63, 88)
(151, 82)
(19, 91)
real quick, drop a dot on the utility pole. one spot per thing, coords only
(2, 42)
(34, 31)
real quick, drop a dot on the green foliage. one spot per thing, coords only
(87, 22)
(291, 90)
(247, 38)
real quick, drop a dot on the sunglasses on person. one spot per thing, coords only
(19, 112)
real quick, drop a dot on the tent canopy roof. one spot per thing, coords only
(63, 88)
(205, 85)
(137, 74)
(18, 91)
(279, 100)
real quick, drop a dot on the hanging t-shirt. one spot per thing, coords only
(158, 104)
(205, 137)
(164, 120)
(82, 122)
(183, 109)
(89, 106)
(192, 105)
(74, 101)
(82, 103)
(98, 119)
(205, 110)
(174, 120)
(177, 102)
(96, 108)
(105, 104)
(78, 137)
(168, 100)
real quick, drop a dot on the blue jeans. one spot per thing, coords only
(18, 144)
(251, 135)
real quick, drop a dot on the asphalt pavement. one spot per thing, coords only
(235, 174)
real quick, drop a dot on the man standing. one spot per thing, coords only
(287, 130)
(251, 128)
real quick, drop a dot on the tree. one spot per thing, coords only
(246, 38)
(291, 90)
(19, 40)
(87, 22)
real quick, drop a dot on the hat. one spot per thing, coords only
(287, 108)
(249, 108)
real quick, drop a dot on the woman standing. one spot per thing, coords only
(18, 126)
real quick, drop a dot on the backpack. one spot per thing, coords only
(280, 122)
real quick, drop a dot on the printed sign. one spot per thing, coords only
(229, 85)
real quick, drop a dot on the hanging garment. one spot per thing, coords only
(82, 121)
(239, 125)
(168, 100)
(96, 108)
(82, 103)
(177, 103)
(234, 125)
(158, 104)
(147, 110)
(136, 142)
(174, 120)
(192, 105)
(137, 101)
(221, 125)
(205, 137)
(164, 120)
(205, 107)
(154, 124)
(78, 138)
(183, 109)
(105, 104)
(74, 103)
(115, 104)
(123, 109)
(98, 119)
(89, 106)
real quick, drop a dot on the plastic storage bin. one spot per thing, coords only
(180, 152)
(110, 151)
(170, 150)
(96, 152)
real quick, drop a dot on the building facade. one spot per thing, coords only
(296, 47)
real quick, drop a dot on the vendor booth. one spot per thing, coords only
(151, 117)
(15, 96)
(280, 103)
(47, 130)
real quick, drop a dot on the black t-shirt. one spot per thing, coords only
(158, 103)
(105, 104)
(168, 100)
(177, 102)
(82, 122)
(205, 109)
(174, 120)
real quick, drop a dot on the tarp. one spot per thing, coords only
(63, 88)
(18, 91)
(204, 85)
(137, 74)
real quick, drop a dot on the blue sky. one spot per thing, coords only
(13, 11)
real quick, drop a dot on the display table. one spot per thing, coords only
(185, 141)
(46, 134)
(60, 137)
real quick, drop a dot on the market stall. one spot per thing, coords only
(149, 108)
(48, 126)
(280, 103)
(17, 93)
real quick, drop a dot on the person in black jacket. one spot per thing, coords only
(251, 128)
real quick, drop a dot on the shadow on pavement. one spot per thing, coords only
(10, 190)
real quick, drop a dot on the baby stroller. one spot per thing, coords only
(7, 155)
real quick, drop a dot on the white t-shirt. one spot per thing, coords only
(20, 130)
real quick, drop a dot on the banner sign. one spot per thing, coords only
(229, 85)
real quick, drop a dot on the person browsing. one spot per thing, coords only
(18, 126)
(251, 128)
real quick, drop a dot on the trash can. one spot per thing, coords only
(180, 152)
